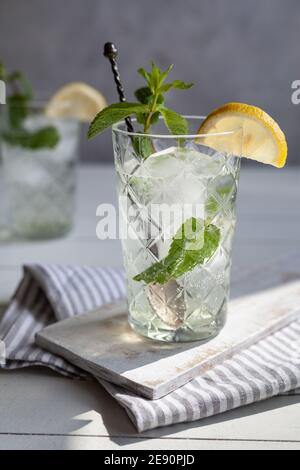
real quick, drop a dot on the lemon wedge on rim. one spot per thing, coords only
(76, 100)
(262, 139)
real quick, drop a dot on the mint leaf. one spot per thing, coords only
(17, 110)
(165, 73)
(193, 254)
(175, 84)
(175, 123)
(160, 99)
(154, 77)
(194, 244)
(143, 146)
(180, 85)
(165, 88)
(141, 118)
(112, 114)
(154, 117)
(145, 75)
(45, 138)
(143, 94)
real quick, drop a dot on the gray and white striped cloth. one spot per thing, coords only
(52, 293)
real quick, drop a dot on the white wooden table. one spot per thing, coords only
(41, 410)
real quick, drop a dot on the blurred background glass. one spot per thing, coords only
(38, 185)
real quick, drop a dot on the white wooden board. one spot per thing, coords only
(102, 343)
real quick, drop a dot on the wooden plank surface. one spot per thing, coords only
(60, 406)
(98, 442)
(40, 402)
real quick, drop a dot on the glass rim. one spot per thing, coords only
(116, 128)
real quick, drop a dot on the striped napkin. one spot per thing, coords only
(50, 293)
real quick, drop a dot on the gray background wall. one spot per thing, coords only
(233, 50)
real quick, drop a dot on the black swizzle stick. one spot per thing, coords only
(111, 52)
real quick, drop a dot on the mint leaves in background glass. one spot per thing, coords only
(147, 110)
(47, 137)
(194, 244)
(19, 102)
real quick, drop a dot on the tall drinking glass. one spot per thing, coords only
(164, 182)
(38, 183)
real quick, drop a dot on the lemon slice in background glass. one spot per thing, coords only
(76, 100)
(263, 140)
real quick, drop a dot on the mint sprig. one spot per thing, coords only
(175, 123)
(196, 241)
(45, 138)
(18, 110)
(150, 105)
(18, 107)
(194, 244)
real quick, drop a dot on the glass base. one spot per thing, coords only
(34, 233)
(183, 334)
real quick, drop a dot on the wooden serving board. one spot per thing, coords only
(102, 343)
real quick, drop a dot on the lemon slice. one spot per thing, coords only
(262, 138)
(76, 100)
